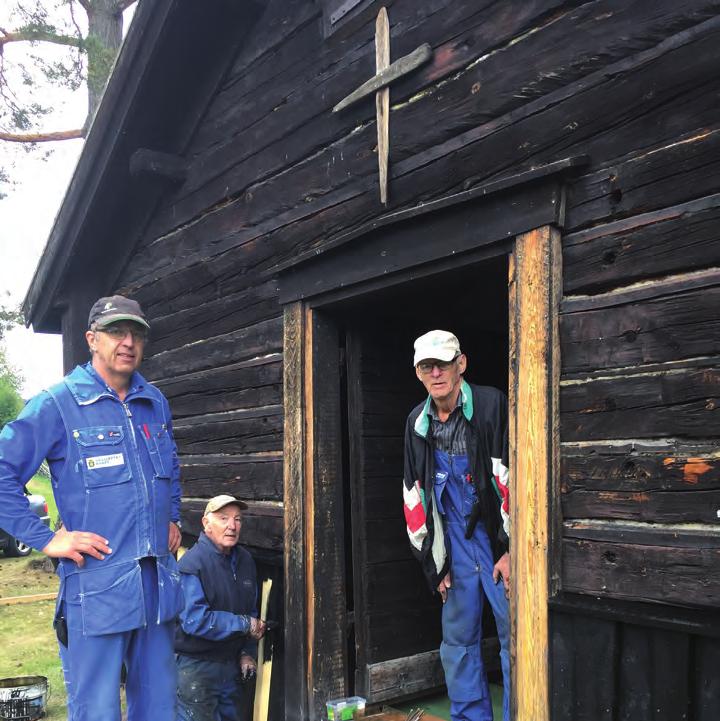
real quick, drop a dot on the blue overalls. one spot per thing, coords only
(471, 574)
(114, 471)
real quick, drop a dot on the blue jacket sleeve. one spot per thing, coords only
(36, 434)
(198, 619)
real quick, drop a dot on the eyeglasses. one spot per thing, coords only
(427, 366)
(119, 332)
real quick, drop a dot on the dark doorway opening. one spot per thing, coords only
(393, 620)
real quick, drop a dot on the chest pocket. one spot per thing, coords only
(103, 455)
(160, 448)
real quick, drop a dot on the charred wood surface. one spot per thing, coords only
(256, 477)
(676, 239)
(635, 332)
(683, 403)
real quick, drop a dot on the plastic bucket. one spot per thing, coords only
(23, 698)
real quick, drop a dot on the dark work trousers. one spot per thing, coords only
(471, 578)
(208, 690)
(92, 664)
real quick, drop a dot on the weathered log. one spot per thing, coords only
(666, 574)
(669, 403)
(672, 240)
(629, 330)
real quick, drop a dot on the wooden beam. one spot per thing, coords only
(153, 163)
(394, 71)
(535, 276)
(294, 503)
(382, 100)
(14, 600)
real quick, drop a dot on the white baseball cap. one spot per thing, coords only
(438, 344)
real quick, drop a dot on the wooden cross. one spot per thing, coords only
(386, 73)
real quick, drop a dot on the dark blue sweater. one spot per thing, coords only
(220, 597)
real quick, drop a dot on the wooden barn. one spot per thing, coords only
(540, 176)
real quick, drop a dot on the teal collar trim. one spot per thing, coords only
(467, 400)
(422, 422)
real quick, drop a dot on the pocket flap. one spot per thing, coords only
(112, 599)
(99, 436)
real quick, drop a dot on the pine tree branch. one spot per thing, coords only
(41, 137)
(29, 35)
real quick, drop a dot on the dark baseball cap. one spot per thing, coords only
(114, 308)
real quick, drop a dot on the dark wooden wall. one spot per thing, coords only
(605, 670)
(513, 84)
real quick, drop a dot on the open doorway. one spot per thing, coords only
(353, 614)
(393, 620)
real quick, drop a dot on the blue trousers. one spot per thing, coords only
(471, 577)
(208, 690)
(92, 665)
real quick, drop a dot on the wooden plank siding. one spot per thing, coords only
(607, 669)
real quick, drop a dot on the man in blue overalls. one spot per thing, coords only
(107, 436)
(456, 508)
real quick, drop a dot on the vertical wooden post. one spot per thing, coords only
(296, 680)
(325, 524)
(535, 287)
(74, 323)
(315, 647)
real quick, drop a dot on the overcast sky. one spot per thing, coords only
(26, 218)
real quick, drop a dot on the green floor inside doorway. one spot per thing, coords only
(440, 705)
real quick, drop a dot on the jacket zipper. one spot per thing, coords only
(146, 495)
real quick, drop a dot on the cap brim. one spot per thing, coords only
(101, 323)
(240, 504)
(436, 355)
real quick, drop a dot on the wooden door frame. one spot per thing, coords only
(314, 558)
(535, 290)
(370, 259)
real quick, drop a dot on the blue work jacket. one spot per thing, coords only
(220, 598)
(114, 472)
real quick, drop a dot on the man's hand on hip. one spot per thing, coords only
(174, 537)
(443, 586)
(502, 570)
(75, 544)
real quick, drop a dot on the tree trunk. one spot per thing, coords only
(105, 25)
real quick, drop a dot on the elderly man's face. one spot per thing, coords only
(441, 379)
(222, 527)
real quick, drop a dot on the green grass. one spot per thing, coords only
(27, 638)
(29, 648)
(26, 576)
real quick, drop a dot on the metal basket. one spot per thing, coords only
(23, 698)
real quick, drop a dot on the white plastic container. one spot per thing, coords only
(346, 709)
